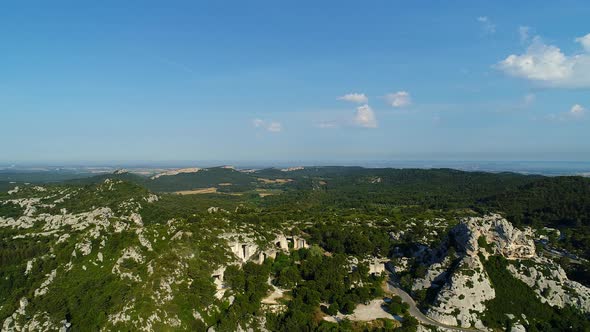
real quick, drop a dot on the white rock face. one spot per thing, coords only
(151, 198)
(504, 239)
(461, 300)
(436, 271)
(244, 250)
(143, 240)
(377, 265)
(11, 322)
(176, 172)
(42, 290)
(136, 218)
(63, 238)
(30, 266)
(291, 169)
(85, 247)
(551, 284)
(244, 246)
(133, 254)
(14, 190)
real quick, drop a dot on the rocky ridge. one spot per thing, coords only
(463, 286)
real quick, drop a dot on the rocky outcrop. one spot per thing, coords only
(465, 284)
(551, 283)
(245, 247)
(291, 169)
(503, 238)
(133, 254)
(377, 265)
(436, 273)
(176, 172)
(460, 301)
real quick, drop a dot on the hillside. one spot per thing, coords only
(108, 253)
(552, 202)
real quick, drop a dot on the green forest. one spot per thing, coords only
(342, 212)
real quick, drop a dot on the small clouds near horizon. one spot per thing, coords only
(487, 25)
(271, 126)
(398, 99)
(365, 117)
(359, 98)
(576, 112)
(548, 65)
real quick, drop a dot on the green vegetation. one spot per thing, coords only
(515, 297)
(352, 240)
(320, 279)
(249, 285)
(346, 213)
(397, 307)
(206, 178)
(559, 202)
(11, 210)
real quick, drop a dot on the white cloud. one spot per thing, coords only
(399, 99)
(523, 32)
(271, 126)
(529, 99)
(358, 98)
(584, 41)
(365, 117)
(548, 65)
(487, 24)
(576, 112)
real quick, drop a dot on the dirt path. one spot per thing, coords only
(364, 312)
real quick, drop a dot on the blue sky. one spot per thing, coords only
(300, 80)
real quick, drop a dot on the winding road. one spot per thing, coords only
(416, 313)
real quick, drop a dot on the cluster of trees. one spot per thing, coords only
(14, 283)
(11, 210)
(172, 206)
(351, 240)
(553, 202)
(397, 307)
(432, 189)
(249, 286)
(317, 279)
(210, 177)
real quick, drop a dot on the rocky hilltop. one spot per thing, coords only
(464, 287)
(176, 172)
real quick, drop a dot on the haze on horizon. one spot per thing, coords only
(346, 80)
